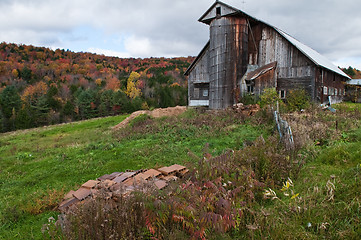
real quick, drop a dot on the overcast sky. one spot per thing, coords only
(145, 28)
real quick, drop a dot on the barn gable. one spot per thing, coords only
(218, 9)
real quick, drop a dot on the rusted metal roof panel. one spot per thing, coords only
(260, 71)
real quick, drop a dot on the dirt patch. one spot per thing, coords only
(156, 113)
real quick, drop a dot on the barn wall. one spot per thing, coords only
(213, 14)
(198, 79)
(294, 69)
(264, 81)
(328, 84)
(228, 59)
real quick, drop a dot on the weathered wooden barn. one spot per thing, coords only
(245, 55)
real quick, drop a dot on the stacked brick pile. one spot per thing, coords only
(119, 183)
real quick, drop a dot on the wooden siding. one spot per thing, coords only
(264, 81)
(327, 84)
(239, 42)
(212, 13)
(294, 69)
(199, 74)
(228, 59)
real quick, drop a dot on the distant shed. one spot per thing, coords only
(353, 90)
(245, 55)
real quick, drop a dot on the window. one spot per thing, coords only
(196, 93)
(330, 91)
(250, 89)
(335, 91)
(205, 93)
(282, 94)
(218, 11)
(324, 90)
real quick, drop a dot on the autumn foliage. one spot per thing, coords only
(56, 85)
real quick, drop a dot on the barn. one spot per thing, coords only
(245, 55)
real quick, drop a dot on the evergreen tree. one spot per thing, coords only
(86, 104)
(10, 102)
(106, 103)
(41, 111)
(121, 103)
(24, 119)
(1, 122)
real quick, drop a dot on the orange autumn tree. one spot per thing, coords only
(32, 92)
(132, 90)
(112, 83)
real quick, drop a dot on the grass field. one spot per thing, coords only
(38, 166)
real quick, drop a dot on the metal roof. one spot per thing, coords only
(314, 56)
(200, 55)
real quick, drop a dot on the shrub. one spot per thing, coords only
(297, 100)
(269, 97)
(105, 218)
(248, 99)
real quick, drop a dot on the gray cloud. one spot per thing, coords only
(170, 28)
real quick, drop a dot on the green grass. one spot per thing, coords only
(321, 212)
(38, 166)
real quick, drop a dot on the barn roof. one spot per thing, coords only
(260, 71)
(313, 55)
(200, 55)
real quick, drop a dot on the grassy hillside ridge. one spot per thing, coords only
(39, 166)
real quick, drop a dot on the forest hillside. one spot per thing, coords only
(39, 86)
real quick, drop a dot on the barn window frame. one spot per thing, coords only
(196, 93)
(218, 11)
(282, 93)
(205, 93)
(250, 89)
(330, 91)
(325, 90)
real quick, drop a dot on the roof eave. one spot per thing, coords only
(199, 56)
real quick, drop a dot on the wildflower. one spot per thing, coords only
(309, 225)
(287, 185)
(270, 194)
(294, 196)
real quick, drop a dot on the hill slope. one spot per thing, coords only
(38, 166)
(39, 86)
